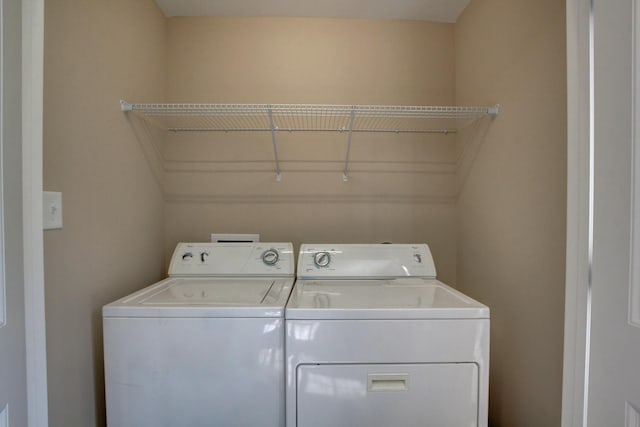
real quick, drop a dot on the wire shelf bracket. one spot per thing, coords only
(275, 118)
(345, 172)
(274, 129)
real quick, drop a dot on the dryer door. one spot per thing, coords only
(399, 395)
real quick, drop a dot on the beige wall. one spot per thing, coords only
(511, 210)
(97, 52)
(130, 194)
(402, 187)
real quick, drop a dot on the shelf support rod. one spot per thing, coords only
(275, 145)
(345, 172)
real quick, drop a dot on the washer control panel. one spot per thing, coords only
(232, 259)
(365, 261)
(271, 256)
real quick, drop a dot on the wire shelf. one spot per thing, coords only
(308, 118)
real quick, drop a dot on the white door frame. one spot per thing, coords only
(32, 108)
(579, 212)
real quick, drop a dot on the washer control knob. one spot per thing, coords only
(187, 256)
(270, 257)
(203, 256)
(322, 259)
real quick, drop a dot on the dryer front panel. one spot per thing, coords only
(399, 395)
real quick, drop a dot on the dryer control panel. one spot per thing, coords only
(351, 261)
(232, 259)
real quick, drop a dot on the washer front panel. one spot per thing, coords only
(194, 372)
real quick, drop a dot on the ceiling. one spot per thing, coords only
(421, 10)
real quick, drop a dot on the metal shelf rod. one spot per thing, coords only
(275, 146)
(436, 131)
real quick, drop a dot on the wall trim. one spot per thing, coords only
(32, 108)
(632, 416)
(3, 297)
(634, 261)
(4, 414)
(579, 190)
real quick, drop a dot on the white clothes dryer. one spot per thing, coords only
(373, 339)
(204, 347)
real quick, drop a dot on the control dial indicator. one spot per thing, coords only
(187, 256)
(322, 259)
(270, 257)
(203, 256)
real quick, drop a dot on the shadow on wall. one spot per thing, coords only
(469, 141)
(150, 139)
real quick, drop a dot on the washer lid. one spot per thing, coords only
(206, 297)
(381, 299)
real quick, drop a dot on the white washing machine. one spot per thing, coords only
(204, 347)
(373, 339)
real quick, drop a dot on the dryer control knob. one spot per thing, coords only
(322, 259)
(270, 256)
(187, 256)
